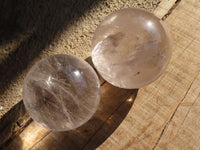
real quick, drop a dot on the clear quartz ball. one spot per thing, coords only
(61, 92)
(131, 48)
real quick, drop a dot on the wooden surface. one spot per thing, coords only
(114, 106)
(163, 115)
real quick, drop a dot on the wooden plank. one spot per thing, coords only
(165, 114)
(13, 122)
(37, 137)
(182, 129)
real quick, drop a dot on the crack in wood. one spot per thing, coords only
(103, 83)
(188, 113)
(18, 124)
(171, 9)
(168, 122)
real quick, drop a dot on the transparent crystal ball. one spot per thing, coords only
(61, 92)
(131, 48)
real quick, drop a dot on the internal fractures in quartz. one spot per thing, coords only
(61, 92)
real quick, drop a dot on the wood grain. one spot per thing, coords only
(182, 129)
(165, 114)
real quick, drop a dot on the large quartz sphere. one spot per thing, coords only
(131, 48)
(61, 92)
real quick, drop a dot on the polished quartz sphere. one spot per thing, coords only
(61, 92)
(131, 48)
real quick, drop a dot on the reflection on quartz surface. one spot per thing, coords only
(77, 73)
(61, 92)
(149, 24)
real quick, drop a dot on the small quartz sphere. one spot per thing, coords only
(131, 48)
(61, 92)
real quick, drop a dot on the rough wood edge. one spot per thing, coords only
(165, 8)
(13, 123)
